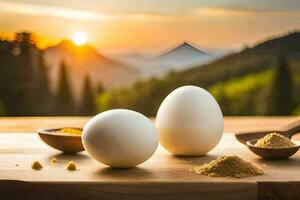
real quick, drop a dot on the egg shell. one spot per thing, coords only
(189, 121)
(120, 138)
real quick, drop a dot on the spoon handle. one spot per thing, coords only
(291, 129)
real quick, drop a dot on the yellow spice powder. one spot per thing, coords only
(274, 140)
(54, 160)
(229, 166)
(36, 165)
(71, 166)
(71, 131)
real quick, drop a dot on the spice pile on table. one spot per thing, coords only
(229, 166)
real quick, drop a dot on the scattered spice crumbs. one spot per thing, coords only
(71, 166)
(36, 165)
(54, 160)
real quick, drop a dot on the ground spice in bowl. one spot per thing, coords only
(71, 131)
(229, 166)
(275, 141)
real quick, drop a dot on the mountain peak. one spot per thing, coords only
(183, 56)
(185, 46)
(68, 48)
(66, 42)
(69, 45)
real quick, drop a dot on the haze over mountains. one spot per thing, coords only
(122, 71)
(86, 61)
(178, 58)
(113, 72)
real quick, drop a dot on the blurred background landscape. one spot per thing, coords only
(84, 57)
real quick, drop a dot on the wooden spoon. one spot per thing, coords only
(250, 138)
(272, 153)
(67, 143)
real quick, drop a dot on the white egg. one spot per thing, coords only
(189, 121)
(120, 138)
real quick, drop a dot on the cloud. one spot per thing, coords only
(40, 10)
(75, 14)
(234, 12)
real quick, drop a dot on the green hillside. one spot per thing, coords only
(241, 96)
(243, 79)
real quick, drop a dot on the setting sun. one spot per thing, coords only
(79, 38)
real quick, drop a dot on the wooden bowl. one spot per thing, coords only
(67, 143)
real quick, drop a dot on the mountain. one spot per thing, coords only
(181, 57)
(85, 60)
(288, 43)
(249, 71)
(249, 60)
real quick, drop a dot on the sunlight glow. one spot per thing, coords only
(79, 38)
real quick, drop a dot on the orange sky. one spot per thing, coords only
(139, 25)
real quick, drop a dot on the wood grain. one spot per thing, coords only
(231, 124)
(136, 191)
(163, 176)
(279, 190)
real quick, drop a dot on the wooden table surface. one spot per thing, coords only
(163, 176)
